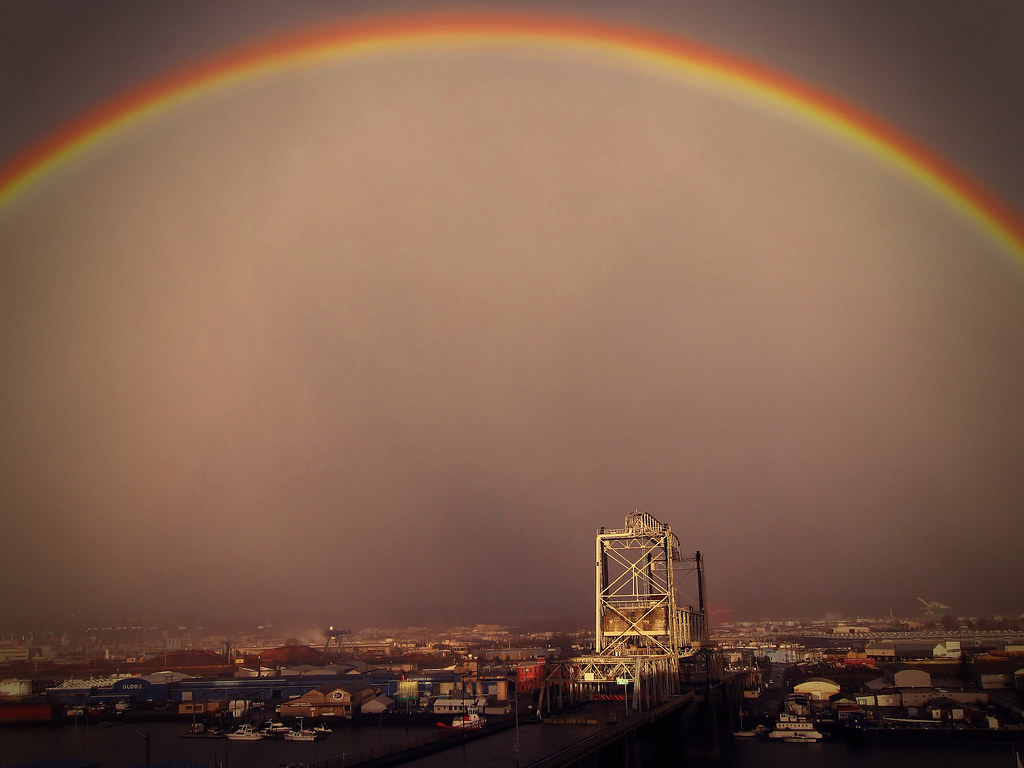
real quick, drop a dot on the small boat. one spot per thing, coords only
(468, 722)
(801, 738)
(742, 732)
(245, 732)
(322, 729)
(201, 731)
(301, 734)
(274, 730)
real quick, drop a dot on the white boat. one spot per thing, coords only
(802, 738)
(323, 729)
(743, 732)
(301, 734)
(466, 722)
(274, 729)
(201, 731)
(245, 732)
(759, 731)
(795, 727)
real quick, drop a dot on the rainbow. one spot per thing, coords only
(671, 55)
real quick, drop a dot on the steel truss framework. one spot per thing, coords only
(641, 633)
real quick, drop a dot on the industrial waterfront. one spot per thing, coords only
(117, 748)
(654, 684)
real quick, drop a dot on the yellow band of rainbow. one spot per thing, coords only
(660, 51)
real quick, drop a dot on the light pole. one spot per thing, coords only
(515, 746)
(624, 682)
(110, 724)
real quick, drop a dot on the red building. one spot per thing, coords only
(529, 676)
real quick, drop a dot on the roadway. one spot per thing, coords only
(536, 740)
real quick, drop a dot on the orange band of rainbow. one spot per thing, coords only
(669, 54)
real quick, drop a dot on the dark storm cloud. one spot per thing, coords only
(396, 363)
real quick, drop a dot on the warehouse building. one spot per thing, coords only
(330, 700)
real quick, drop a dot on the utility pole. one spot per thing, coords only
(110, 724)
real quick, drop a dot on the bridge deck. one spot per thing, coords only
(551, 744)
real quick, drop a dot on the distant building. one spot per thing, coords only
(378, 705)
(989, 681)
(850, 629)
(330, 700)
(458, 706)
(857, 659)
(944, 709)
(817, 688)
(912, 651)
(518, 654)
(15, 687)
(950, 649)
(530, 676)
(908, 677)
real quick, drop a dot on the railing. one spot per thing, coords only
(365, 755)
(385, 750)
(606, 736)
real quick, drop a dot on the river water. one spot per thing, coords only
(119, 747)
(754, 753)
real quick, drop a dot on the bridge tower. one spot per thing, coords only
(637, 611)
(641, 632)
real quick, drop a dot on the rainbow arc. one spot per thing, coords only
(663, 54)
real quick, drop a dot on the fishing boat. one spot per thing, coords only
(302, 734)
(468, 722)
(201, 731)
(801, 738)
(743, 732)
(274, 730)
(245, 732)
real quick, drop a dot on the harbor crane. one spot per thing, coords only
(335, 635)
(931, 607)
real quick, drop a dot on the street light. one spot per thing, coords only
(111, 724)
(624, 682)
(515, 746)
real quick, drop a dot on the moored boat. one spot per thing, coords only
(465, 722)
(759, 731)
(801, 738)
(743, 732)
(245, 732)
(794, 727)
(302, 734)
(201, 731)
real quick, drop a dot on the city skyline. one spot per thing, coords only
(384, 338)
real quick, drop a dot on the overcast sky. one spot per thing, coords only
(385, 341)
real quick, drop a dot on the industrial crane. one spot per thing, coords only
(335, 635)
(932, 606)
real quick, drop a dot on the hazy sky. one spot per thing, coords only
(385, 340)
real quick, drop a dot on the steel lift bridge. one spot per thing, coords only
(641, 631)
